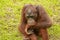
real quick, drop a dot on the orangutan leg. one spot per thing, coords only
(44, 34)
(33, 37)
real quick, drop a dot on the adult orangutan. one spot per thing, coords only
(34, 22)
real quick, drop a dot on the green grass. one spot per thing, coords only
(10, 14)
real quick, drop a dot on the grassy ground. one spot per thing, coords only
(10, 11)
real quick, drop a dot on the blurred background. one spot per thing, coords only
(10, 15)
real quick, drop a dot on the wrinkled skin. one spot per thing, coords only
(30, 26)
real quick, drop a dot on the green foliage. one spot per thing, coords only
(10, 15)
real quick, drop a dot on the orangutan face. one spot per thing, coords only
(31, 16)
